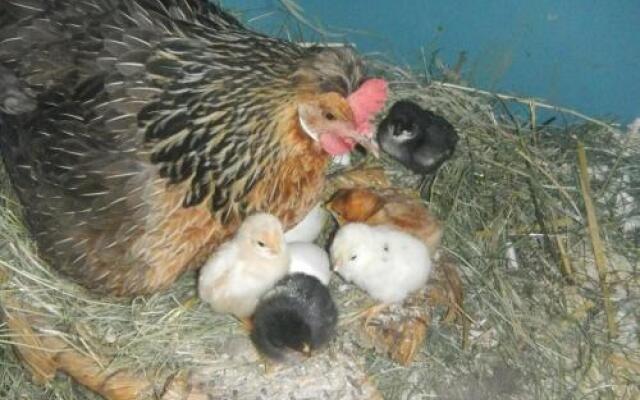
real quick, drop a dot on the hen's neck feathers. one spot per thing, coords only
(229, 116)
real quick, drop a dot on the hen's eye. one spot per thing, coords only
(260, 243)
(353, 257)
(329, 116)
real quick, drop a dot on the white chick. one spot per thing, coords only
(387, 263)
(343, 160)
(235, 277)
(310, 259)
(310, 227)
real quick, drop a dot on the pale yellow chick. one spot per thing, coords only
(244, 268)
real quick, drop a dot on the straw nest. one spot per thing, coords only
(542, 223)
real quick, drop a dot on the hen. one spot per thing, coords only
(139, 134)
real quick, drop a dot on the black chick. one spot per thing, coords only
(417, 138)
(295, 317)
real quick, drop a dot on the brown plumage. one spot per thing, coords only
(405, 211)
(394, 207)
(138, 134)
(400, 332)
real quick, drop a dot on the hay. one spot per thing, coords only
(516, 225)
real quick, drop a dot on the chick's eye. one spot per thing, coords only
(353, 257)
(260, 243)
(329, 116)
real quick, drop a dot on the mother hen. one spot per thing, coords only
(138, 134)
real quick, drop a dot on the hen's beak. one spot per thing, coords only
(368, 143)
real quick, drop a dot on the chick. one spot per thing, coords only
(387, 207)
(293, 318)
(387, 263)
(417, 138)
(244, 268)
(309, 228)
(310, 259)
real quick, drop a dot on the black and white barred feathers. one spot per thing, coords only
(178, 83)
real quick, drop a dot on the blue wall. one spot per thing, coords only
(583, 54)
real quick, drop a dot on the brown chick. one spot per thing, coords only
(400, 331)
(387, 207)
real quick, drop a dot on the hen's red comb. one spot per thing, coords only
(366, 102)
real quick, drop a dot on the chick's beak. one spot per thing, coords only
(336, 263)
(274, 243)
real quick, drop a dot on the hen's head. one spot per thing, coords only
(329, 119)
(339, 102)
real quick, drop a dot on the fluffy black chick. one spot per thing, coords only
(419, 139)
(295, 317)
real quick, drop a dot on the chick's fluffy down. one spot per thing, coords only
(310, 259)
(388, 264)
(244, 268)
(310, 227)
(296, 316)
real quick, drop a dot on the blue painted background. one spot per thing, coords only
(583, 54)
